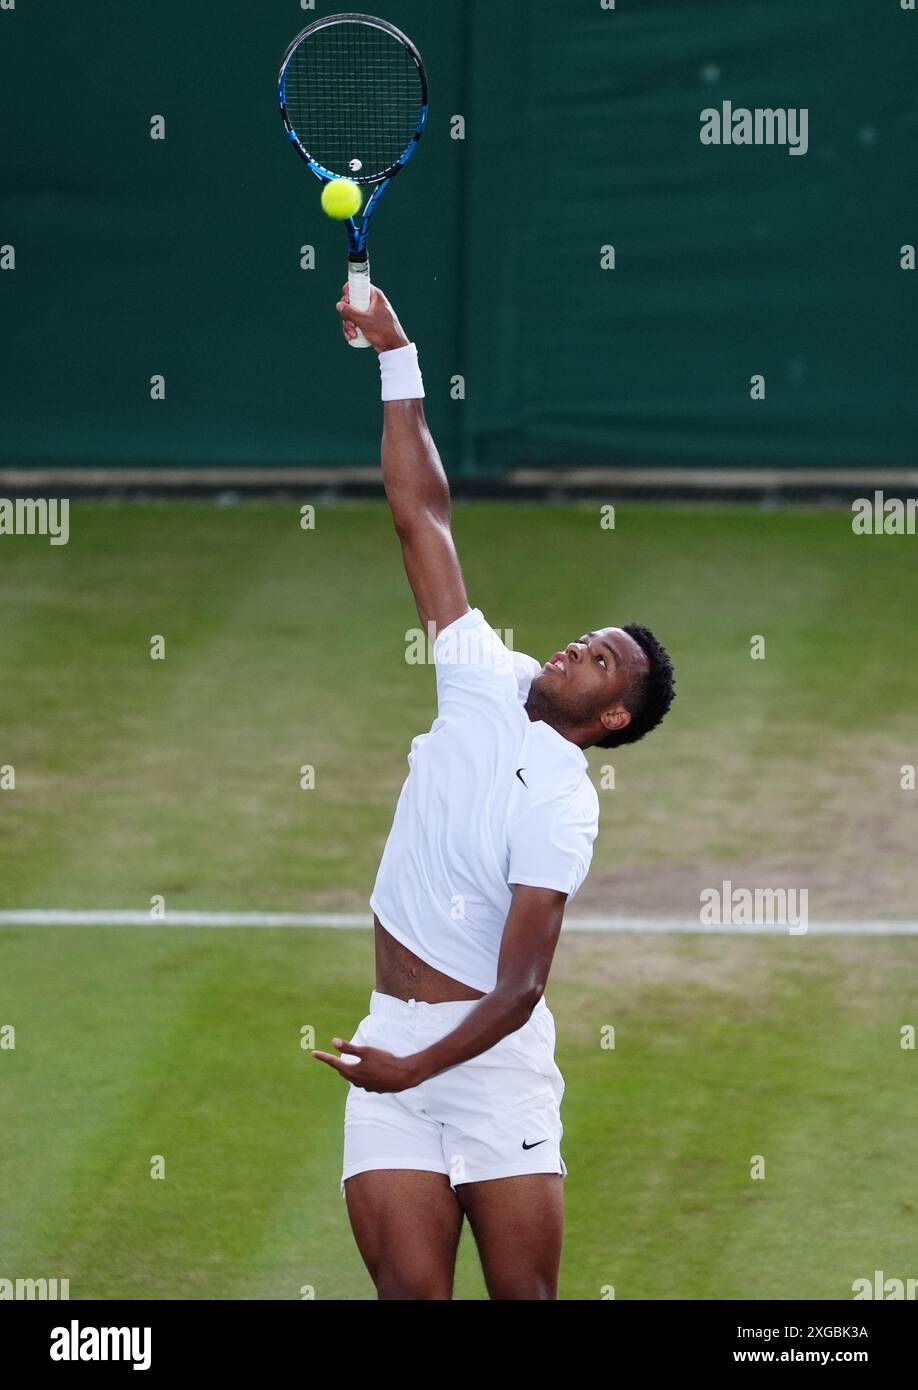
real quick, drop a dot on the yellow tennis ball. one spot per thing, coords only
(341, 198)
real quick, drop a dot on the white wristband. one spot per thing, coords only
(400, 374)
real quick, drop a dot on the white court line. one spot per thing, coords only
(60, 917)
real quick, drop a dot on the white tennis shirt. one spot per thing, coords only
(491, 799)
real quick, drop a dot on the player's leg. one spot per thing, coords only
(404, 1214)
(500, 1115)
(407, 1225)
(518, 1225)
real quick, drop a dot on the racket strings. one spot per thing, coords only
(353, 94)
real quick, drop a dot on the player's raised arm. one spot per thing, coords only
(415, 483)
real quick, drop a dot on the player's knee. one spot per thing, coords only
(412, 1287)
(532, 1288)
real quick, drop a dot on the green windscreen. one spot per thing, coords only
(587, 281)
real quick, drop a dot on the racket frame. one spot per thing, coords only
(357, 232)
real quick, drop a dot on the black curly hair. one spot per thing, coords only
(650, 693)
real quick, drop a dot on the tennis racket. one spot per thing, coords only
(353, 95)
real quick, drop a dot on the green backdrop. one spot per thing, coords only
(181, 256)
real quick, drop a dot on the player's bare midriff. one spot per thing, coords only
(403, 974)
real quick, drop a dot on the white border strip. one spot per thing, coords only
(520, 475)
(54, 917)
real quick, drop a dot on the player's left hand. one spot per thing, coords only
(373, 1069)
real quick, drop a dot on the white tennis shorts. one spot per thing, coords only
(495, 1116)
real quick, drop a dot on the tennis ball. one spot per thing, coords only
(341, 198)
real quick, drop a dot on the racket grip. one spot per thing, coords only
(358, 283)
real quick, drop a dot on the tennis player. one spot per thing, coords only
(454, 1100)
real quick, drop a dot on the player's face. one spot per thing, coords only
(597, 661)
(589, 675)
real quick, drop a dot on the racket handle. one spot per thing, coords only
(358, 283)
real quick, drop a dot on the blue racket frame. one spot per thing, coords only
(356, 232)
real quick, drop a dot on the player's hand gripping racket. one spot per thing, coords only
(353, 95)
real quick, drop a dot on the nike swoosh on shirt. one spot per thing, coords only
(535, 1145)
(519, 773)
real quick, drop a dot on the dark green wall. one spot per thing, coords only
(135, 257)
